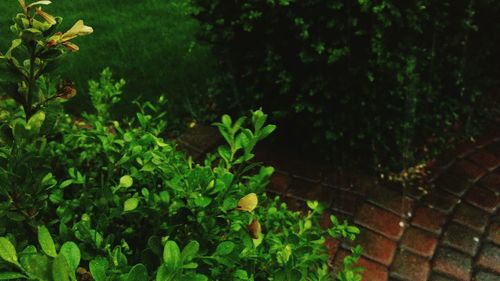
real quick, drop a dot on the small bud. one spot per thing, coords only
(66, 90)
(255, 229)
(47, 17)
(70, 46)
(54, 40)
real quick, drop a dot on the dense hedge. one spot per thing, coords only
(394, 77)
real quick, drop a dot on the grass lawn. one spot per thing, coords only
(149, 43)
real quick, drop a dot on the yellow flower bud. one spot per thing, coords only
(78, 29)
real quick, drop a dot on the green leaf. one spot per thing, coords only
(202, 201)
(353, 229)
(229, 204)
(154, 244)
(258, 119)
(162, 274)
(334, 220)
(240, 274)
(19, 130)
(266, 131)
(60, 269)
(65, 183)
(119, 259)
(312, 204)
(191, 265)
(224, 153)
(164, 196)
(138, 273)
(237, 125)
(197, 277)
(130, 204)
(8, 251)
(12, 275)
(72, 254)
(284, 255)
(226, 120)
(190, 251)
(36, 122)
(98, 268)
(171, 255)
(15, 43)
(46, 241)
(37, 266)
(126, 181)
(56, 197)
(224, 248)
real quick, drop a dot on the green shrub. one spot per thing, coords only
(93, 197)
(130, 202)
(387, 78)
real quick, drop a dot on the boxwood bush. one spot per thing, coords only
(393, 79)
(93, 198)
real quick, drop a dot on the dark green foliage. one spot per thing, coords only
(387, 78)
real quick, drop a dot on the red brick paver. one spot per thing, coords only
(453, 263)
(419, 241)
(494, 233)
(461, 238)
(380, 220)
(408, 266)
(483, 198)
(484, 159)
(471, 216)
(429, 219)
(492, 182)
(471, 170)
(376, 247)
(489, 258)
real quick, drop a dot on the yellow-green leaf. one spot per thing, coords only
(8, 251)
(130, 204)
(46, 241)
(248, 202)
(126, 181)
(171, 255)
(42, 2)
(72, 254)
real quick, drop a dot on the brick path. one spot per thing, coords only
(447, 230)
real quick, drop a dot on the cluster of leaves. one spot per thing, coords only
(391, 77)
(37, 49)
(137, 209)
(93, 198)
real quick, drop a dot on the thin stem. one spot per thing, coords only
(31, 83)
